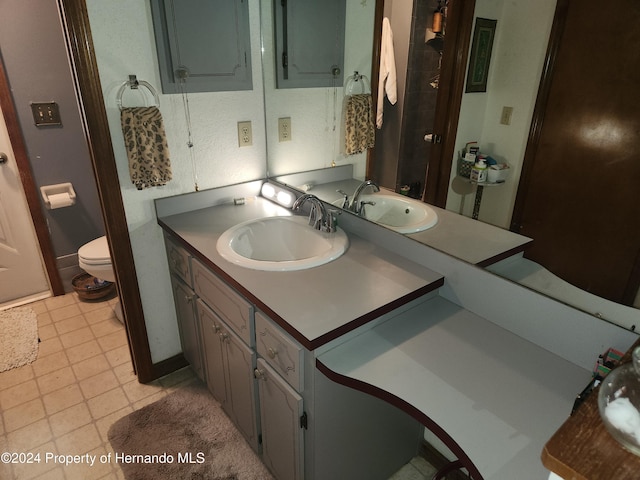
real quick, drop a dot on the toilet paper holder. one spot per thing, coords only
(58, 196)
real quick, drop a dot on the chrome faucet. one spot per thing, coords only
(345, 199)
(319, 217)
(355, 205)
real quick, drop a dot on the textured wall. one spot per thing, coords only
(124, 42)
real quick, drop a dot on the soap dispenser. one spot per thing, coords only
(479, 171)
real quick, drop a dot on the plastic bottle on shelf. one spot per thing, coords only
(479, 171)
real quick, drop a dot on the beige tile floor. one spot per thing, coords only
(81, 383)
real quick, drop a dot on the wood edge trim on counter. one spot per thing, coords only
(305, 342)
(409, 409)
(504, 255)
(358, 322)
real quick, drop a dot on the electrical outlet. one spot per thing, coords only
(505, 118)
(245, 137)
(284, 129)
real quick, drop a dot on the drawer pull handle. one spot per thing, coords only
(272, 352)
(259, 374)
(216, 328)
(224, 337)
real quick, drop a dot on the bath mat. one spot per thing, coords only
(184, 435)
(18, 337)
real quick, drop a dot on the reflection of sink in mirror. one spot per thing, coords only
(280, 244)
(402, 214)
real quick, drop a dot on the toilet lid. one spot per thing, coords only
(95, 252)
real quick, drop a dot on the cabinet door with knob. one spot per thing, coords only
(212, 352)
(282, 420)
(279, 350)
(188, 325)
(229, 372)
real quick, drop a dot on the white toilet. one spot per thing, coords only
(95, 259)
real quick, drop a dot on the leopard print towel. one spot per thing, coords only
(359, 129)
(146, 145)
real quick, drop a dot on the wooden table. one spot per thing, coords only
(582, 449)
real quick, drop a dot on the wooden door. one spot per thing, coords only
(579, 194)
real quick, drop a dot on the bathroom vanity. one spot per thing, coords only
(253, 336)
(332, 372)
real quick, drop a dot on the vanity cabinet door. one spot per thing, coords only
(179, 261)
(229, 372)
(280, 412)
(213, 353)
(232, 308)
(188, 324)
(280, 351)
(242, 404)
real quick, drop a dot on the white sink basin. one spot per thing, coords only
(399, 213)
(280, 244)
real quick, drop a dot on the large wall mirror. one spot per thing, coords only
(517, 62)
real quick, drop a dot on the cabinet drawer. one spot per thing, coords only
(234, 310)
(280, 351)
(179, 263)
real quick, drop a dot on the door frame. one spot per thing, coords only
(75, 23)
(450, 89)
(29, 185)
(453, 70)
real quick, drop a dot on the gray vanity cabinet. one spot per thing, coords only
(281, 409)
(213, 353)
(305, 426)
(184, 298)
(188, 325)
(280, 382)
(226, 321)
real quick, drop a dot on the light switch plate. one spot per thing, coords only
(505, 118)
(45, 113)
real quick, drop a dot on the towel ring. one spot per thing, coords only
(357, 80)
(134, 83)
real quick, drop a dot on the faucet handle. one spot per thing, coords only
(331, 224)
(345, 198)
(361, 210)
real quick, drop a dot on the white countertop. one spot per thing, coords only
(315, 305)
(498, 396)
(461, 237)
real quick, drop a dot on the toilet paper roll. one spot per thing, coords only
(59, 200)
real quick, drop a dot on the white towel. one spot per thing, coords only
(387, 83)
